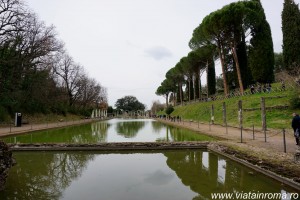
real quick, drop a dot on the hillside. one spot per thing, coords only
(278, 114)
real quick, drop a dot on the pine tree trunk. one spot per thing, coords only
(221, 55)
(238, 71)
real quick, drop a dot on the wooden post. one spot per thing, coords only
(263, 113)
(212, 114)
(284, 141)
(263, 116)
(253, 132)
(240, 114)
(224, 117)
(241, 134)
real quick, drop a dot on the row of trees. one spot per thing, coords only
(37, 75)
(240, 37)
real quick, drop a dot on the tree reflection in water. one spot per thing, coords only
(48, 175)
(99, 129)
(157, 126)
(129, 129)
(180, 134)
(45, 179)
(206, 173)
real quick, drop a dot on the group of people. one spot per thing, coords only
(261, 88)
(296, 127)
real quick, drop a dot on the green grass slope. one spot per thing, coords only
(276, 118)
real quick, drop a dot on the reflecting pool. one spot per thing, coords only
(115, 130)
(168, 175)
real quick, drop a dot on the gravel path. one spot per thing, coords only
(274, 138)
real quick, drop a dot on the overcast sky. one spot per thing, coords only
(129, 45)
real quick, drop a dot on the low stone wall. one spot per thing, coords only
(110, 146)
(6, 162)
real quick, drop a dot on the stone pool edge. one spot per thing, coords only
(109, 146)
(287, 181)
(130, 146)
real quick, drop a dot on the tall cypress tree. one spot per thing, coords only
(261, 52)
(291, 34)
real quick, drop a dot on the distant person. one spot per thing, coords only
(296, 127)
(265, 88)
(269, 87)
(282, 85)
(252, 89)
(259, 88)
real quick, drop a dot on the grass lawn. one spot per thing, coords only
(276, 118)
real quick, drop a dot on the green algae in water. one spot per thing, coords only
(168, 175)
(115, 130)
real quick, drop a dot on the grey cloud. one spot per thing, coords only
(158, 52)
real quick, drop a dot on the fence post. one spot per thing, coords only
(263, 116)
(253, 132)
(241, 134)
(224, 117)
(284, 141)
(212, 113)
(240, 114)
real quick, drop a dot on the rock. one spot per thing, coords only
(6, 162)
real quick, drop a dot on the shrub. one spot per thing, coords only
(169, 110)
(295, 100)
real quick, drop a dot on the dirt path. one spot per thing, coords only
(274, 138)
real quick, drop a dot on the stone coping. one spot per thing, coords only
(268, 173)
(109, 146)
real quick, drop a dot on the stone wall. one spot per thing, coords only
(6, 162)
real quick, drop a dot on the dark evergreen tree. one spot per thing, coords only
(261, 52)
(211, 77)
(291, 34)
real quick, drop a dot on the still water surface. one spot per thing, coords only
(167, 175)
(115, 130)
